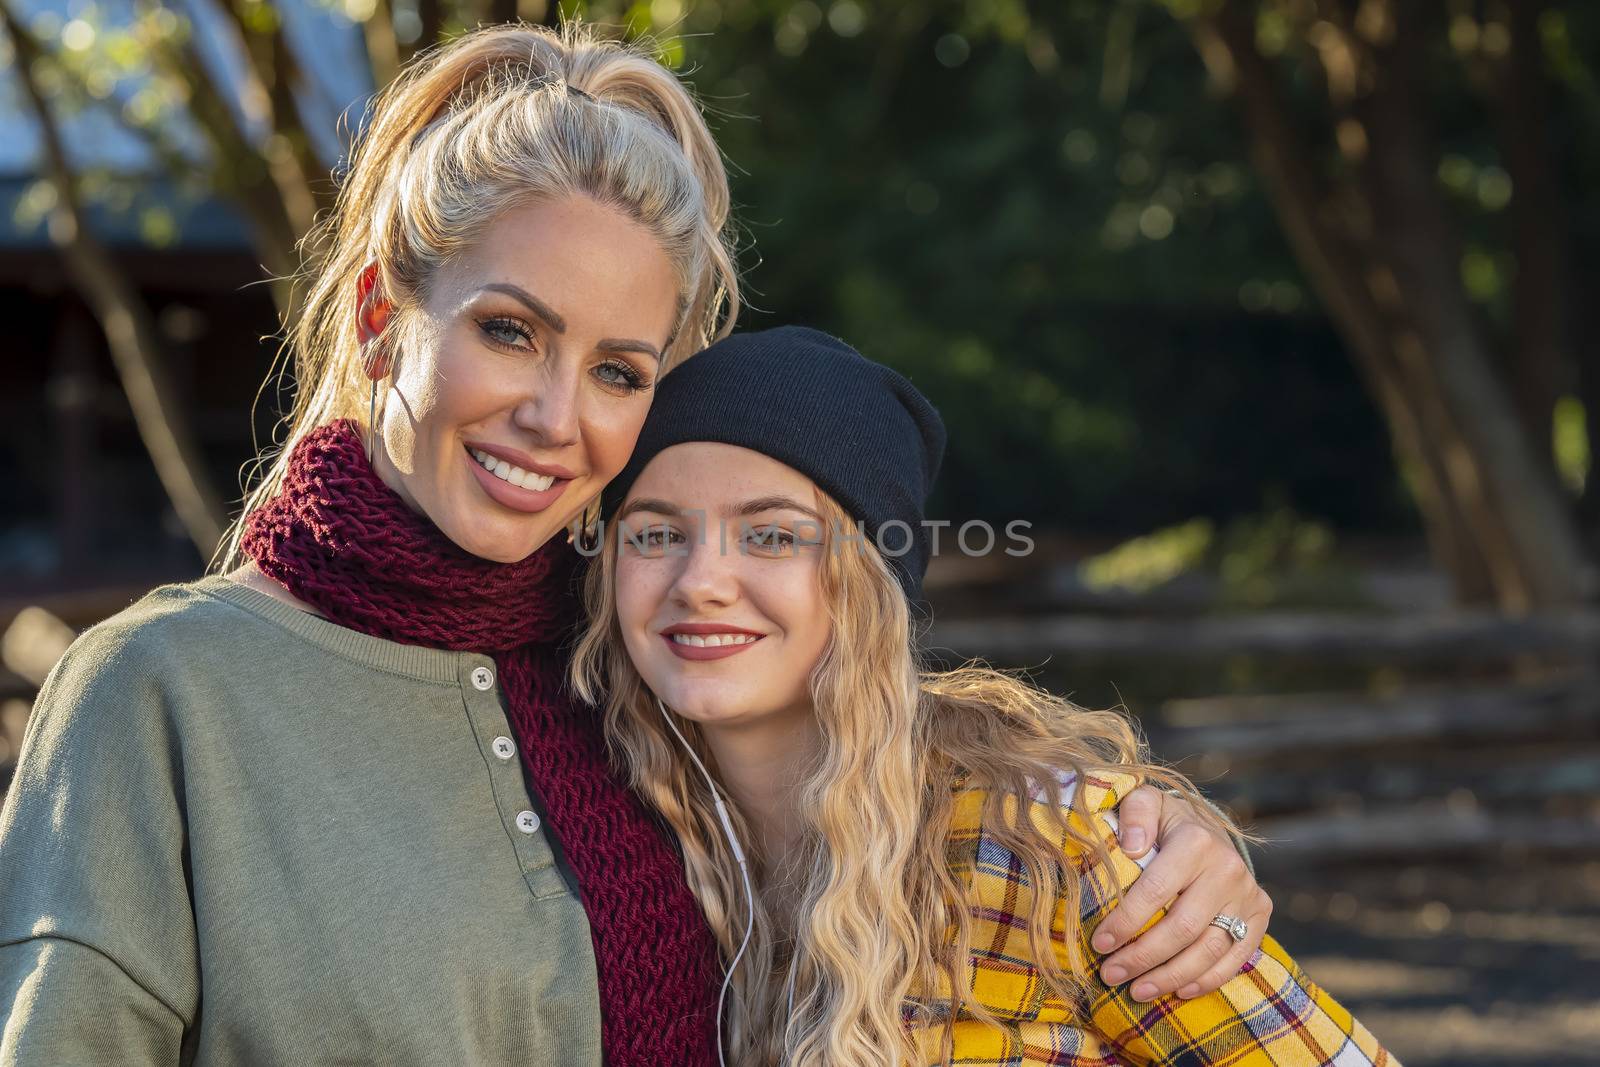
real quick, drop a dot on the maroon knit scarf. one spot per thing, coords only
(342, 541)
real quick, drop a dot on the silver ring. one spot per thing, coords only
(1237, 929)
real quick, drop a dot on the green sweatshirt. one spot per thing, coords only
(241, 834)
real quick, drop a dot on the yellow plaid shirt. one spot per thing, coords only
(1269, 1015)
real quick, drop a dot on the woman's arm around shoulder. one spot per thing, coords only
(98, 958)
(1269, 1015)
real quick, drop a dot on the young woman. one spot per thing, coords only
(930, 854)
(333, 806)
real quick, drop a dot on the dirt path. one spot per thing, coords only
(1463, 963)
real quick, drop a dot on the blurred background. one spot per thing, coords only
(1276, 319)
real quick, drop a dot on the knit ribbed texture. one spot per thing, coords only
(861, 431)
(341, 540)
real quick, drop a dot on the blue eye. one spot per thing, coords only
(616, 374)
(506, 332)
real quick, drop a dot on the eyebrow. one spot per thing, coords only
(773, 503)
(749, 507)
(622, 344)
(531, 302)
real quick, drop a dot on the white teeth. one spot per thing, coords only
(515, 475)
(713, 640)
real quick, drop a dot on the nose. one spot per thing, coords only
(549, 405)
(706, 573)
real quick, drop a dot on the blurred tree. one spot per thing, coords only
(131, 333)
(1371, 227)
(224, 72)
(1447, 288)
(1039, 211)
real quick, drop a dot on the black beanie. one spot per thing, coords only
(859, 430)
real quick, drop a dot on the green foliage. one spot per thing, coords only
(1144, 563)
(1571, 444)
(1278, 557)
(1270, 558)
(1042, 214)
(1045, 222)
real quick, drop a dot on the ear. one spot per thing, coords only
(372, 316)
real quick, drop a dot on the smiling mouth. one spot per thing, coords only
(507, 472)
(713, 640)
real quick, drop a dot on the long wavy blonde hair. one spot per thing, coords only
(483, 124)
(882, 919)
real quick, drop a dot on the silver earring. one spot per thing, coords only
(589, 542)
(584, 532)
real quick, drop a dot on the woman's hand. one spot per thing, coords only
(1200, 869)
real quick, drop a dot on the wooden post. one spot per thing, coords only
(73, 391)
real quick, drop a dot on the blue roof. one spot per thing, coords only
(135, 201)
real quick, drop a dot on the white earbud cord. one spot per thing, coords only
(744, 871)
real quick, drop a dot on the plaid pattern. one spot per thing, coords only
(1269, 1015)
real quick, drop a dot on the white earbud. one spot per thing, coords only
(744, 872)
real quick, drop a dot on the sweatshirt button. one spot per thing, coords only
(527, 822)
(503, 747)
(482, 678)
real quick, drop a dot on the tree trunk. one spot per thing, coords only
(1522, 522)
(1283, 159)
(240, 173)
(1539, 368)
(73, 392)
(130, 331)
(1587, 358)
(383, 48)
(1388, 273)
(431, 13)
(540, 12)
(268, 181)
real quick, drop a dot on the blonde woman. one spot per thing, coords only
(902, 866)
(331, 804)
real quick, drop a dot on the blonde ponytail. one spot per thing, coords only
(500, 117)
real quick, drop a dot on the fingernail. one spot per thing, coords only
(1104, 942)
(1144, 991)
(1113, 975)
(1190, 990)
(1133, 840)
